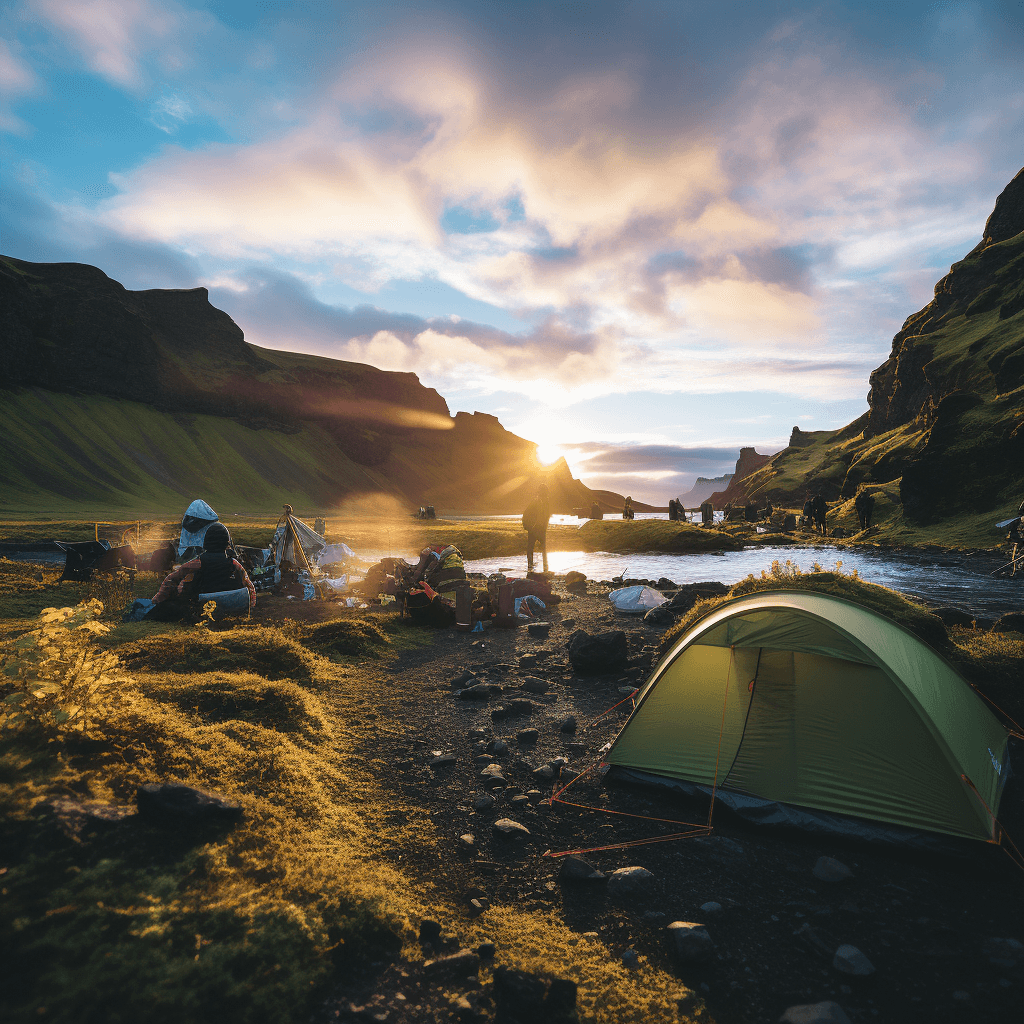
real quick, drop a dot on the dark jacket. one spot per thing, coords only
(536, 516)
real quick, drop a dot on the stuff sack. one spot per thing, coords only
(229, 602)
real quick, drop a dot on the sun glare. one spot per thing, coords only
(548, 453)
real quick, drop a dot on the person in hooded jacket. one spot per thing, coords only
(215, 571)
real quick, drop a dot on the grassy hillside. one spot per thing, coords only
(65, 452)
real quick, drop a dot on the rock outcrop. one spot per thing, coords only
(946, 410)
(78, 351)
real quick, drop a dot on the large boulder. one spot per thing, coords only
(692, 940)
(815, 1013)
(175, 806)
(599, 652)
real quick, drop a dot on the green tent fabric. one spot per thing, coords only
(813, 701)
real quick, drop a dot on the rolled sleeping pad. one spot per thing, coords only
(229, 602)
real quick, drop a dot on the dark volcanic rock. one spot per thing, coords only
(591, 654)
(953, 616)
(176, 806)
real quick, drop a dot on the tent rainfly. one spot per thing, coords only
(808, 708)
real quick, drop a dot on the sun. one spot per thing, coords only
(548, 453)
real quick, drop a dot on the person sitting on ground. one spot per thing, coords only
(627, 508)
(440, 565)
(215, 571)
(535, 523)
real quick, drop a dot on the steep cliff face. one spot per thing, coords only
(946, 416)
(74, 343)
(737, 491)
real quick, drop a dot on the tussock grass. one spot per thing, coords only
(262, 650)
(347, 638)
(609, 992)
(278, 705)
(907, 613)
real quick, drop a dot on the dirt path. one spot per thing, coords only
(924, 921)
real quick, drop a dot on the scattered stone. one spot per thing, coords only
(497, 747)
(576, 582)
(711, 907)
(518, 994)
(430, 931)
(828, 869)
(483, 760)
(561, 998)
(484, 802)
(499, 712)
(464, 677)
(534, 795)
(527, 737)
(477, 734)
(815, 1013)
(545, 773)
(467, 842)
(443, 761)
(479, 691)
(485, 950)
(539, 629)
(660, 616)
(567, 725)
(850, 960)
(520, 800)
(692, 941)
(476, 907)
(576, 869)
(568, 623)
(544, 807)
(506, 828)
(493, 780)
(175, 806)
(629, 881)
(599, 653)
(631, 958)
(534, 685)
(458, 965)
(655, 918)
(521, 706)
(838, 532)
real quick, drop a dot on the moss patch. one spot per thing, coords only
(261, 650)
(240, 696)
(631, 536)
(347, 638)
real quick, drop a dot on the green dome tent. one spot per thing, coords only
(807, 701)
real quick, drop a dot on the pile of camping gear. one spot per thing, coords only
(436, 591)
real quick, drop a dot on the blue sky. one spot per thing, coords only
(642, 234)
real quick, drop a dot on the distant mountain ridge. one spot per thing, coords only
(114, 397)
(945, 424)
(702, 489)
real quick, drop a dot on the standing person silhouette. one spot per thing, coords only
(535, 523)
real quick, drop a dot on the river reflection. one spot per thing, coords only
(960, 581)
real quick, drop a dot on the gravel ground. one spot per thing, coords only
(929, 924)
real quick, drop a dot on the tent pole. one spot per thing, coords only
(305, 560)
